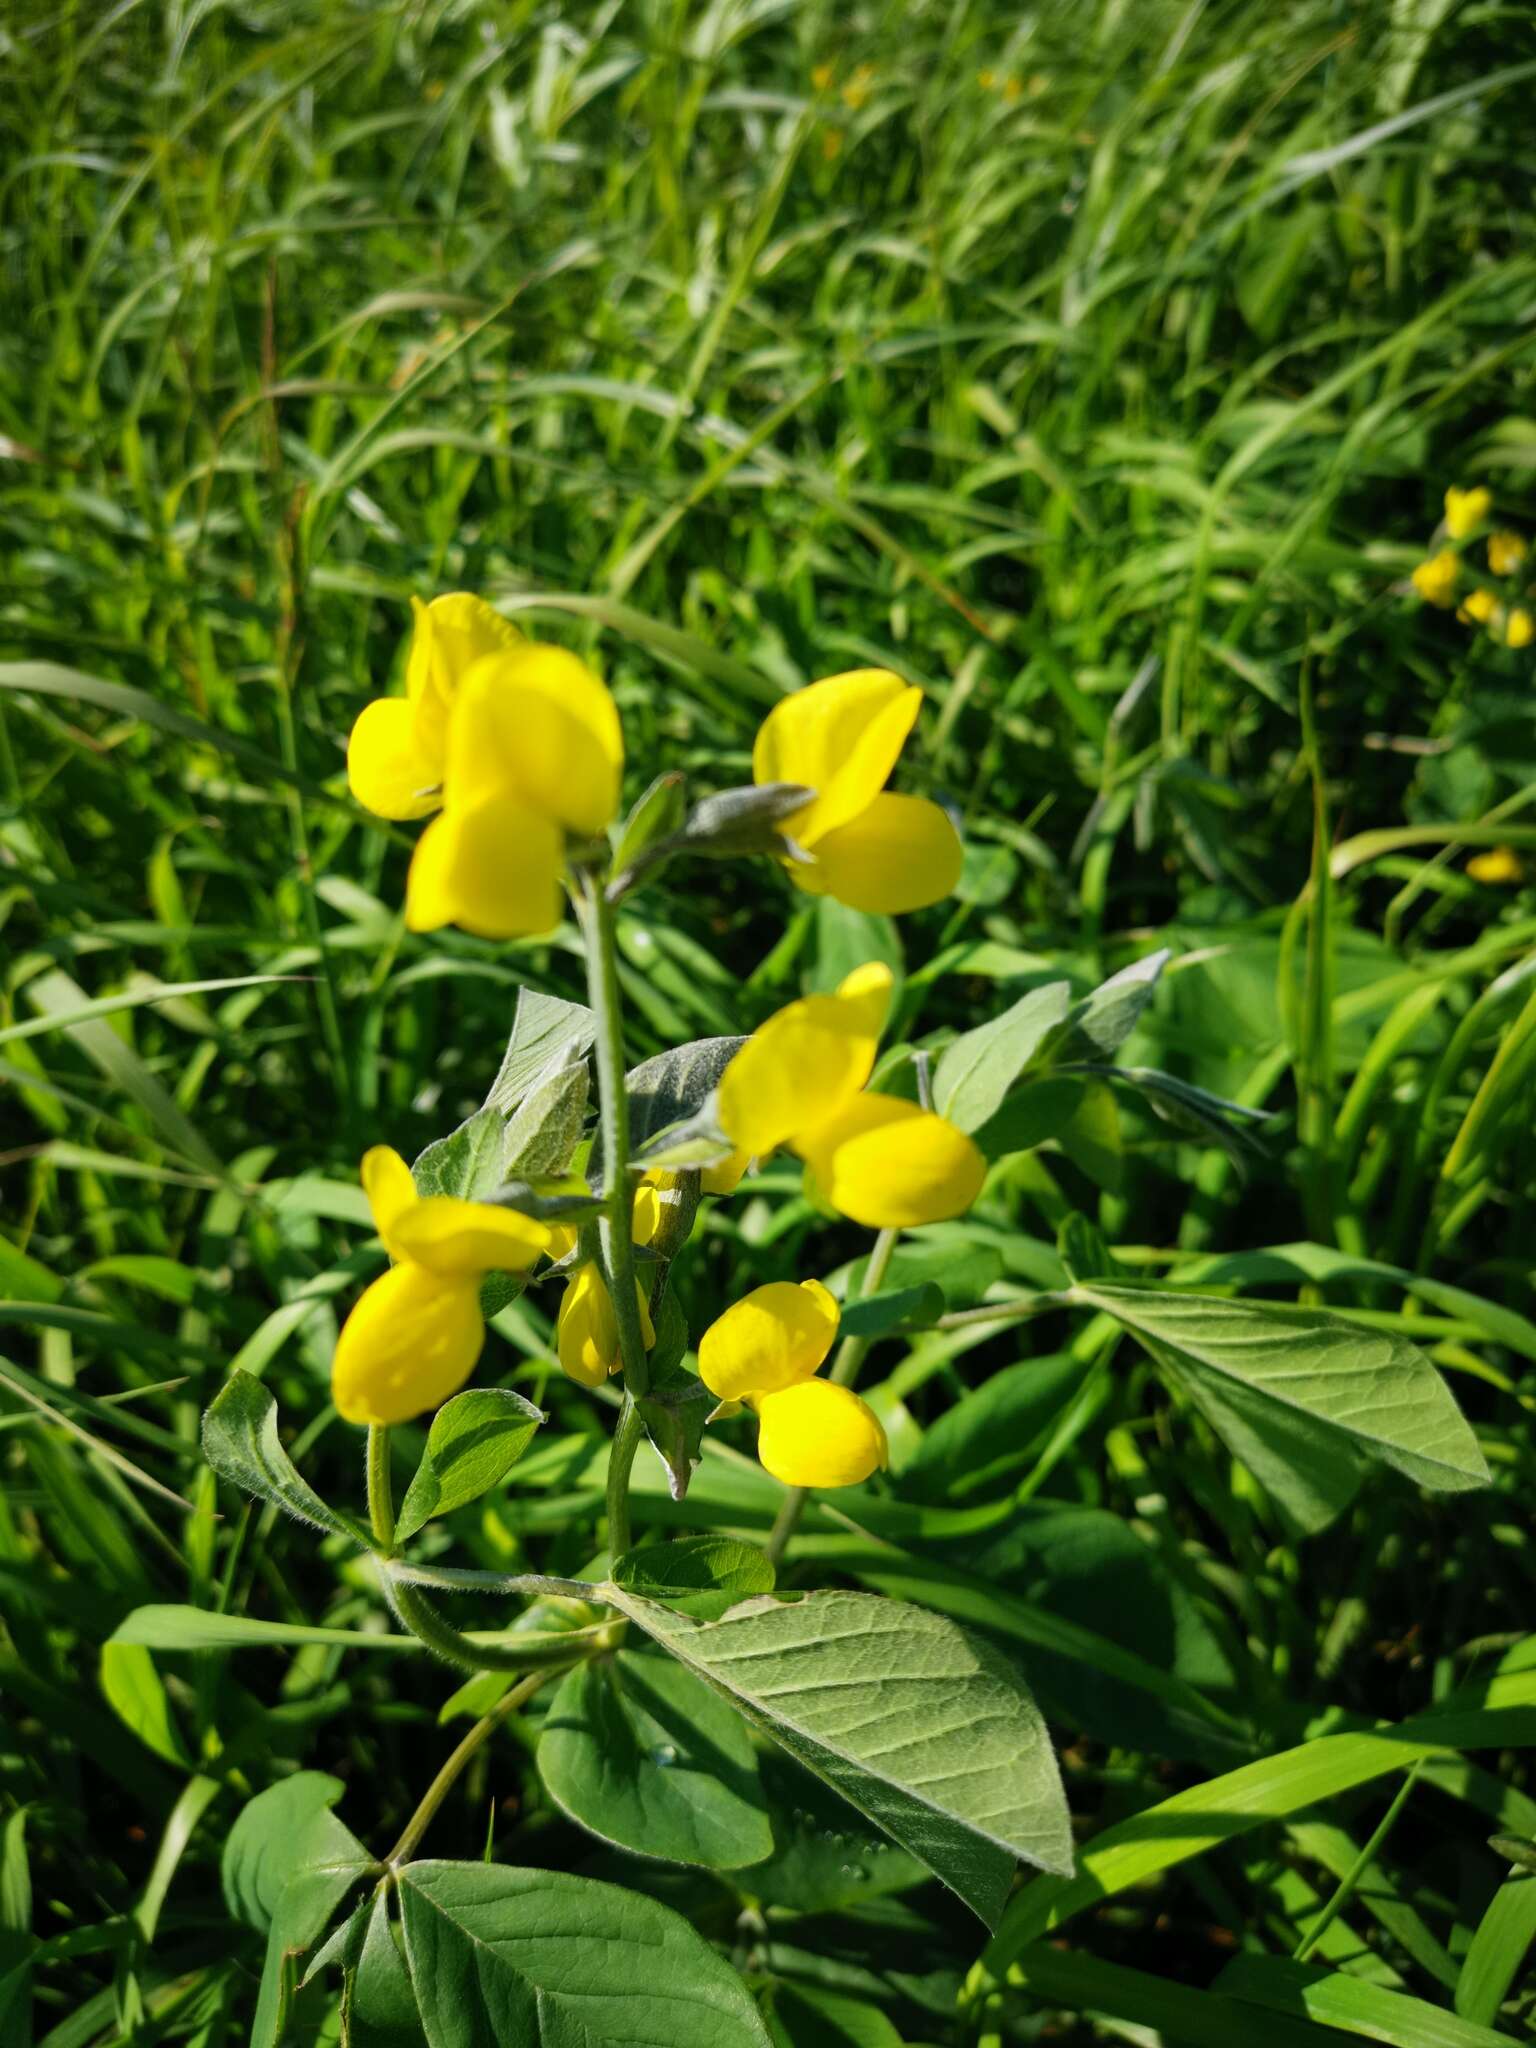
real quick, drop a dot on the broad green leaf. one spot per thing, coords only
(1310, 1473)
(644, 1754)
(470, 1162)
(985, 1438)
(288, 1864)
(544, 1130)
(675, 1086)
(976, 1071)
(677, 1404)
(195, 1628)
(240, 1442)
(137, 1696)
(1160, 2008)
(1496, 1954)
(1372, 1387)
(825, 1855)
(926, 1729)
(1033, 1115)
(475, 1440)
(1100, 1023)
(899, 1308)
(547, 1033)
(702, 1575)
(1092, 1138)
(1335, 1999)
(377, 2003)
(810, 2016)
(546, 1960)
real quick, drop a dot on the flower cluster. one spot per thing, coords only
(764, 1352)
(1442, 578)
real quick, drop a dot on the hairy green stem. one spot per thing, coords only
(845, 1370)
(454, 1647)
(621, 1459)
(381, 1503)
(1007, 1311)
(616, 1221)
(443, 1783)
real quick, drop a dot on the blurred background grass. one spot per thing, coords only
(1099, 367)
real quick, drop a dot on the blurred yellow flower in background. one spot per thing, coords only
(1506, 551)
(1435, 580)
(1466, 510)
(1501, 865)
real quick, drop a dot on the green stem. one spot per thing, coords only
(381, 1504)
(1362, 1863)
(621, 1459)
(845, 1370)
(616, 1220)
(443, 1783)
(454, 1647)
(1006, 1311)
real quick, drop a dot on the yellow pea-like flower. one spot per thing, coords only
(587, 1328)
(891, 1165)
(396, 755)
(1506, 551)
(1435, 579)
(1465, 510)
(726, 1175)
(492, 868)
(808, 1062)
(819, 1434)
(772, 1338)
(1477, 608)
(868, 848)
(416, 1332)
(1520, 628)
(1500, 865)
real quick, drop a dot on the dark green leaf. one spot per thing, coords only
(240, 1442)
(674, 1087)
(656, 817)
(900, 1308)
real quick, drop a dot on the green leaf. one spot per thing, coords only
(240, 1442)
(806, 2016)
(288, 1864)
(137, 1696)
(547, 1033)
(924, 1728)
(657, 815)
(745, 820)
(1158, 2007)
(1497, 1952)
(470, 1162)
(899, 1308)
(195, 1628)
(976, 1071)
(546, 1960)
(1033, 1115)
(701, 1575)
(1102, 1022)
(674, 1087)
(1370, 1388)
(1334, 1999)
(986, 1437)
(475, 1440)
(645, 1755)
(544, 1130)
(826, 1855)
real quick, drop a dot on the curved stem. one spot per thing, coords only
(615, 1224)
(845, 1370)
(454, 1647)
(443, 1783)
(621, 1459)
(381, 1504)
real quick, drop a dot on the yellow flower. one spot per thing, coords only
(1465, 510)
(587, 1330)
(820, 1434)
(1506, 551)
(869, 848)
(857, 90)
(416, 1332)
(765, 1350)
(986, 80)
(1435, 580)
(396, 754)
(821, 76)
(1500, 865)
(800, 1080)
(1520, 629)
(1478, 608)
(772, 1338)
(534, 750)
(725, 1176)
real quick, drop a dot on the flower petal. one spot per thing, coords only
(820, 1434)
(772, 1338)
(1466, 509)
(805, 1064)
(587, 1330)
(890, 1165)
(901, 853)
(411, 1341)
(725, 1176)
(387, 770)
(460, 1240)
(842, 738)
(491, 868)
(452, 634)
(390, 1189)
(537, 725)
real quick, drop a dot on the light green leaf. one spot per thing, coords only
(240, 1442)
(976, 1071)
(470, 1162)
(927, 1730)
(899, 1308)
(137, 1696)
(475, 1440)
(645, 1755)
(544, 1130)
(702, 1575)
(547, 1033)
(1372, 1388)
(547, 1960)
(1101, 1022)
(1335, 1999)
(826, 1855)
(1497, 1952)
(194, 1628)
